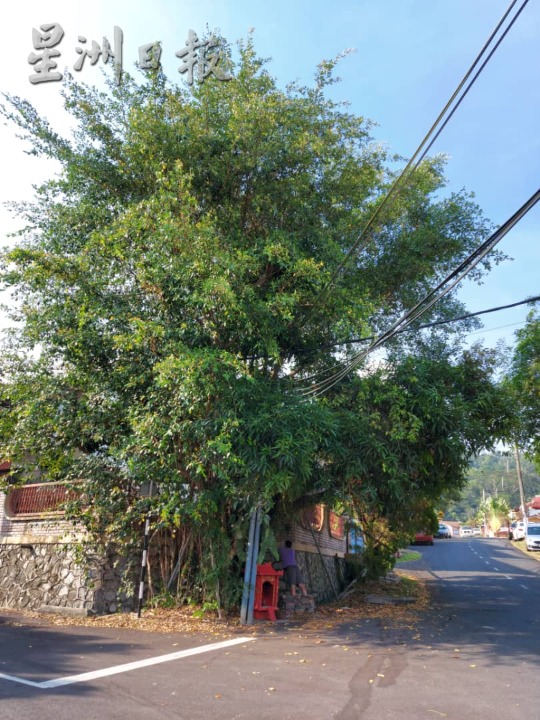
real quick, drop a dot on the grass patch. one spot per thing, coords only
(408, 555)
(521, 545)
(408, 587)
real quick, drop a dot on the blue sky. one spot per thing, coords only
(409, 56)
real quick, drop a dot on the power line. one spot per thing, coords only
(424, 326)
(432, 324)
(424, 146)
(430, 299)
(421, 307)
(367, 338)
(462, 270)
(499, 327)
(483, 312)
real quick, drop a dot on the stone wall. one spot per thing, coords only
(34, 576)
(320, 556)
(293, 605)
(39, 568)
(324, 576)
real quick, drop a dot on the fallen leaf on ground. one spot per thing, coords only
(325, 617)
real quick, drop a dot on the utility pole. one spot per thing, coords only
(250, 573)
(144, 559)
(520, 482)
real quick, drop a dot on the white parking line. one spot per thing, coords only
(116, 669)
(12, 678)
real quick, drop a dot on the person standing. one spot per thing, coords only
(287, 557)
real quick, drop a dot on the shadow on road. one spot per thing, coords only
(38, 653)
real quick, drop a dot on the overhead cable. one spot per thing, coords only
(423, 305)
(425, 326)
(353, 341)
(499, 327)
(426, 143)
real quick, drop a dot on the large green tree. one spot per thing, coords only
(523, 381)
(494, 475)
(408, 432)
(168, 285)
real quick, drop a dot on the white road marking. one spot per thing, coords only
(18, 680)
(508, 577)
(524, 587)
(497, 569)
(116, 669)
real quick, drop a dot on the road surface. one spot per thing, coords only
(475, 655)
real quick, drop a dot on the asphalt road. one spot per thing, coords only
(476, 655)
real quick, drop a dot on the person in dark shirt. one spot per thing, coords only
(287, 557)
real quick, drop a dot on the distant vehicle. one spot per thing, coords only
(423, 538)
(465, 531)
(532, 537)
(476, 531)
(517, 530)
(444, 531)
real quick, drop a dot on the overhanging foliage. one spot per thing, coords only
(168, 281)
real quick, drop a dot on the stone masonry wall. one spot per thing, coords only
(40, 569)
(49, 575)
(323, 581)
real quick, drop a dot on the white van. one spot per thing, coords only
(532, 536)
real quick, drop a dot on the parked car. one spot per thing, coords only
(465, 531)
(476, 531)
(517, 530)
(444, 531)
(532, 537)
(423, 538)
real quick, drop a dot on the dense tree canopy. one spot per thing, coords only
(493, 475)
(168, 284)
(523, 381)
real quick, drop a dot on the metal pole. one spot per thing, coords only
(254, 555)
(520, 483)
(144, 560)
(247, 571)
